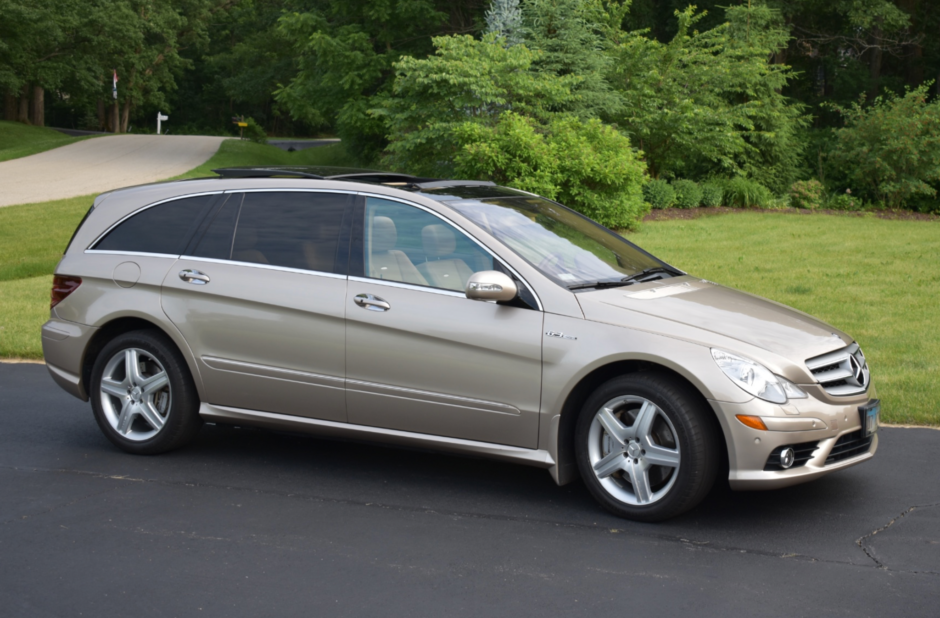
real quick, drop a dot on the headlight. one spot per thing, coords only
(756, 379)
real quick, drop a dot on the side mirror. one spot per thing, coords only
(491, 285)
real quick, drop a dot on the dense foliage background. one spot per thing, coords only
(810, 103)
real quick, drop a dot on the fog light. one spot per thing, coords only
(787, 457)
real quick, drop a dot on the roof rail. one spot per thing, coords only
(262, 172)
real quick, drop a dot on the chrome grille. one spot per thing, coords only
(843, 372)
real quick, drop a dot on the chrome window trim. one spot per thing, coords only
(147, 207)
(132, 253)
(538, 301)
(409, 286)
(286, 269)
(291, 190)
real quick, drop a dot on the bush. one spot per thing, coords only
(713, 195)
(844, 201)
(586, 165)
(254, 132)
(688, 193)
(744, 193)
(891, 148)
(659, 194)
(808, 194)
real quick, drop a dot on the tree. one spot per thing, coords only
(709, 103)
(465, 81)
(568, 35)
(345, 52)
(505, 19)
(890, 150)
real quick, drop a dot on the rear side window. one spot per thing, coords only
(288, 229)
(164, 228)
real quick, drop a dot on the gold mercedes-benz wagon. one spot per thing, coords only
(448, 314)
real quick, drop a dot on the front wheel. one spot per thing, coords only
(646, 446)
(143, 395)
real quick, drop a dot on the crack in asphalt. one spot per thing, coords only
(862, 540)
(692, 545)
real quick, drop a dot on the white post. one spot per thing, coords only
(160, 117)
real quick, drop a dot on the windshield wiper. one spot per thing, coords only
(629, 280)
(649, 271)
(600, 285)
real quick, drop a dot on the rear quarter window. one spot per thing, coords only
(164, 228)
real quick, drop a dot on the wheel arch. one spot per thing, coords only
(566, 465)
(124, 324)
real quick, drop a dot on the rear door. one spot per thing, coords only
(260, 299)
(421, 356)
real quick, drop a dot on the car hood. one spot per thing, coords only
(717, 309)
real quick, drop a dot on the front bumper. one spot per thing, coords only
(813, 421)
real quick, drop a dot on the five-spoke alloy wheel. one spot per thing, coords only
(646, 447)
(143, 395)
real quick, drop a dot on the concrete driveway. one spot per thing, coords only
(254, 523)
(101, 164)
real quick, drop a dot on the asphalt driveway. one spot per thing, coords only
(253, 523)
(101, 164)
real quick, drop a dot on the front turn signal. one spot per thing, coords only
(754, 422)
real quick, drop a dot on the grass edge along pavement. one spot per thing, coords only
(870, 277)
(19, 140)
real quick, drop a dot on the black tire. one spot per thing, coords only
(182, 420)
(693, 428)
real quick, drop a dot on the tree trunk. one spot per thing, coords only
(9, 106)
(874, 64)
(39, 106)
(22, 114)
(102, 116)
(116, 117)
(125, 117)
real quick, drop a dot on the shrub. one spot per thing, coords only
(891, 148)
(809, 194)
(844, 201)
(713, 195)
(254, 132)
(588, 166)
(688, 193)
(745, 193)
(659, 194)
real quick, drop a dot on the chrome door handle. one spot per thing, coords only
(372, 302)
(194, 276)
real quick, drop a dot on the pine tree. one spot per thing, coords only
(568, 35)
(505, 18)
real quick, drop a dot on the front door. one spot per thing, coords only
(260, 300)
(422, 357)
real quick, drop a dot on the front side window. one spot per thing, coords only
(408, 245)
(568, 248)
(164, 228)
(288, 229)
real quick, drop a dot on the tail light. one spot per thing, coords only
(62, 286)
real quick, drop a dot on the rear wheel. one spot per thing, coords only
(646, 446)
(143, 395)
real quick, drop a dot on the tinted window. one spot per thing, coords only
(290, 229)
(164, 228)
(217, 240)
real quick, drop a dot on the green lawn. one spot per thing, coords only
(24, 307)
(20, 140)
(234, 153)
(877, 280)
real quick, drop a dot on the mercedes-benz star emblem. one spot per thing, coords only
(857, 372)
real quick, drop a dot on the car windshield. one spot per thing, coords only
(568, 248)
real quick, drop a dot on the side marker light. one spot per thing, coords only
(754, 422)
